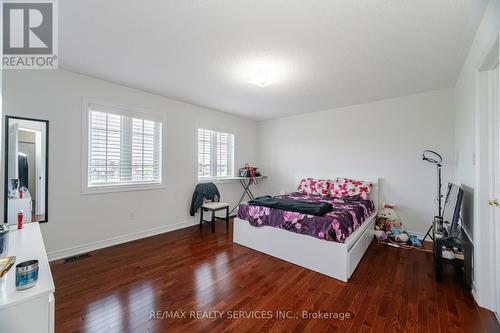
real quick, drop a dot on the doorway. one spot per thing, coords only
(495, 175)
(28, 168)
(490, 97)
(486, 206)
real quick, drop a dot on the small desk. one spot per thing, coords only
(246, 182)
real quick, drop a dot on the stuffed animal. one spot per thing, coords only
(389, 219)
(414, 241)
(388, 213)
(389, 225)
(401, 238)
(380, 234)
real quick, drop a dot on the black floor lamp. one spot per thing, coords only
(434, 158)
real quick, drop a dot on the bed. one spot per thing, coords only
(336, 258)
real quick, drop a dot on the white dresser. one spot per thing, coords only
(31, 310)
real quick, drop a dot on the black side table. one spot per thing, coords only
(461, 242)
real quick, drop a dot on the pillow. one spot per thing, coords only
(344, 187)
(314, 186)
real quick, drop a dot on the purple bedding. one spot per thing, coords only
(347, 215)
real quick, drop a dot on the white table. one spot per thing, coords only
(30, 310)
(246, 182)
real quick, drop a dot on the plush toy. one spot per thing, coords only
(391, 218)
(389, 225)
(401, 238)
(414, 241)
(380, 234)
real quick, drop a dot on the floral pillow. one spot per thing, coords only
(314, 186)
(344, 187)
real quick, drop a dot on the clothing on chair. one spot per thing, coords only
(201, 192)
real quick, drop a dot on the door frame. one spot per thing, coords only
(494, 176)
(33, 195)
(485, 244)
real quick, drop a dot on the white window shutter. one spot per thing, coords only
(204, 153)
(124, 148)
(215, 154)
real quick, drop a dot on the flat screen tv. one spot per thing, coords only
(451, 209)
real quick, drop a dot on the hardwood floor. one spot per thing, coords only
(119, 289)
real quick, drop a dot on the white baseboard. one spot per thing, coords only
(72, 251)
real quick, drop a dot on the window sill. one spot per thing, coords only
(217, 180)
(227, 179)
(120, 188)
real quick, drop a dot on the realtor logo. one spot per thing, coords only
(29, 34)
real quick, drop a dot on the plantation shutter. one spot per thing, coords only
(204, 153)
(215, 154)
(124, 148)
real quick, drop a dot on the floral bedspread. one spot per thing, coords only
(347, 215)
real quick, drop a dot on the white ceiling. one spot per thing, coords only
(336, 53)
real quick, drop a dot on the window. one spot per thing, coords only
(215, 154)
(124, 148)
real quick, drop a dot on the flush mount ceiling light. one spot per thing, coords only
(262, 76)
(263, 71)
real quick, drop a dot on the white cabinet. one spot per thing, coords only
(30, 310)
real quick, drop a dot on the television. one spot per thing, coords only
(452, 208)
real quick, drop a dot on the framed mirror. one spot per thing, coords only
(26, 170)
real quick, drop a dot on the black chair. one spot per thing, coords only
(214, 206)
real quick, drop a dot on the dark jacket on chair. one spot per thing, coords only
(203, 191)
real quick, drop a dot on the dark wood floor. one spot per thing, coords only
(117, 289)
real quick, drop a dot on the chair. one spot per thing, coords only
(214, 206)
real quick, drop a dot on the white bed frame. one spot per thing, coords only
(337, 260)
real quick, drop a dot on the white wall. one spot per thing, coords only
(383, 138)
(465, 103)
(467, 142)
(75, 219)
(1, 117)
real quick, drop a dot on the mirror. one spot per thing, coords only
(26, 170)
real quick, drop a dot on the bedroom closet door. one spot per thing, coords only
(486, 162)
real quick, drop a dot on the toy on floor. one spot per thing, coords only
(414, 241)
(389, 226)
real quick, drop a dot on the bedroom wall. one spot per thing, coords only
(383, 139)
(465, 106)
(1, 111)
(467, 141)
(80, 222)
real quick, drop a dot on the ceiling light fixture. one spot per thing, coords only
(262, 71)
(262, 76)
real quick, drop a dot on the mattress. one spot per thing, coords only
(348, 214)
